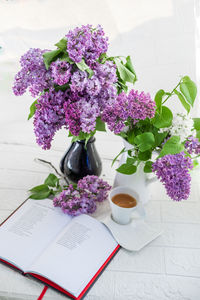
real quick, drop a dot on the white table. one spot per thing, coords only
(167, 269)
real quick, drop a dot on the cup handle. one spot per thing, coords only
(141, 210)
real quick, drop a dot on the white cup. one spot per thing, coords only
(122, 215)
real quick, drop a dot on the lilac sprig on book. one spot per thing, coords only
(73, 199)
(81, 199)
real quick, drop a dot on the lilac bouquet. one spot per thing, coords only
(72, 84)
(150, 128)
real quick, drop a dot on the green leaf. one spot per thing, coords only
(144, 141)
(102, 58)
(122, 134)
(70, 134)
(130, 160)
(40, 195)
(62, 44)
(83, 136)
(116, 157)
(172, 146)
(51, 180)
(144, 155)
(131, 137)
(124, 72)
(159, 138)
(198, 135)
(195, 163)
(164, 118)
(183, 101)
(65, 57)
(40, 188)
(158, 98)
(121, 85)
(32, 110)
(50, 56)
(127, 169)
(63, 87)
(84, 67)
(129, 66)
(188, 89)
(100, 125)
(196, 123)
(148, 167)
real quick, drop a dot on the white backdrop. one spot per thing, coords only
(160, 35)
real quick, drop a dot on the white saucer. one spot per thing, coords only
(133, 236)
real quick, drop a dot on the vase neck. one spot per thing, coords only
(91, 140)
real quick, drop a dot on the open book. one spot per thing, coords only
(67, 253)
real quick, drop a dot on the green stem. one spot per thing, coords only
(171, 92)
(52, 166)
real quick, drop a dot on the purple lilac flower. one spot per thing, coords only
(140, 106)
(81, 200)
(173, 172)
(85, 99)
(89, 96)
(192, 145)
(49, 117)
(93, 86)
(135, 106)
(78, 81)
(97, 186)
(72, 117)
(33, 74)
(106, 72)
(61, 71)
(74, 202)
(107, 96)
(115, 115)
(86, 42)
(89, 113)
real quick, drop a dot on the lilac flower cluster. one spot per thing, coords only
(49, 117)
(192, 145)
(85, 97)
(61, 71)
(141, 106)
(173, 172)
(89, 96)
(72, 117)
(134, 106)
(33, 74)
(82, 200)
(86, 42)
(95, 185)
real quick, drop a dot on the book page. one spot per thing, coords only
(29, 231)
(76, 255)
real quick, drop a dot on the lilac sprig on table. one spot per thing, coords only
(73, 199)
(79, 78)
(81, 199)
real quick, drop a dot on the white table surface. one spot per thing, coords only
(166, 269)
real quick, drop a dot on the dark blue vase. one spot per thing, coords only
(80, 161)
